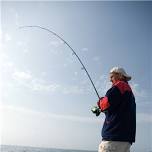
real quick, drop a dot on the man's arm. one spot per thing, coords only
(111, 100)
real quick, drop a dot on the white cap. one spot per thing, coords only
(121, 71)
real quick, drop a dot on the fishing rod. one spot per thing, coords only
(65, 42)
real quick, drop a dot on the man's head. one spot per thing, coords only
(118, 74)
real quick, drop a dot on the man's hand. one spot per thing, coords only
(98, 103)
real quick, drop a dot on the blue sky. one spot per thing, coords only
(46, 97)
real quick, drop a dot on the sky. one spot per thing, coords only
(45, 95)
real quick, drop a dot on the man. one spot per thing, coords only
(118, 132)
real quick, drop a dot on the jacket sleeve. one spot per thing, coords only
(111, 100)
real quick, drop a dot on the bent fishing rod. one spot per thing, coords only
(73, 52)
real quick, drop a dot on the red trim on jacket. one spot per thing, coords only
(103, 103)
(122, 86)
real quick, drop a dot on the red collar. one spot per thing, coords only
(118, 82)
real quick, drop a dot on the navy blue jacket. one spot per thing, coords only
(120, 110)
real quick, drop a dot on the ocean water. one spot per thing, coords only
(10, 148)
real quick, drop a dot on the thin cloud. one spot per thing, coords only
(75, 73)
(23, 45)
(55, 43)
(9, 108)
(65, 65)
(26, 50)
(73, 90)
(96, 59)
(7, 37)
(43, 73)
(138, 91)
(0, 36)
(28, 80)
(17, 18)
(102, 84)
(144, 117)
(7, 66)
(41, 85)
(22, 75)
(141, 117)
(37, 84)
(84, 49)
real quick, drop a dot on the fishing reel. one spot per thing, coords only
(96, 110)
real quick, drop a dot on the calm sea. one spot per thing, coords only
(8, 148)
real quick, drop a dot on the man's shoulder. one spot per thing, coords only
(122, 86)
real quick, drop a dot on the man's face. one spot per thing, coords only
(112, 78)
